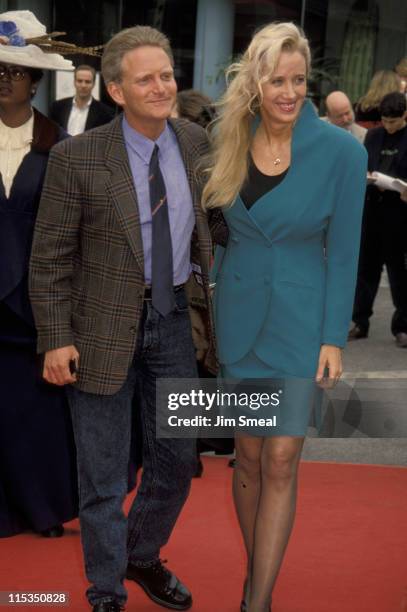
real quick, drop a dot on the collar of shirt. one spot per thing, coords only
(16, 138)
(348, 128)
(144, 146)
(88, 103)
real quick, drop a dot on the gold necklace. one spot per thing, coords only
(277, 160)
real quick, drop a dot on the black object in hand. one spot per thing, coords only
(72, 366)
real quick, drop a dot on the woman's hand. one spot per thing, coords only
(330, 357)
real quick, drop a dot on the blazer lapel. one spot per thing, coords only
(65, 112)
(189, 162)
(90, 120)
(190, 156)
(120, 188)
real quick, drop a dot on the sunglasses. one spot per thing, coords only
(12, 72)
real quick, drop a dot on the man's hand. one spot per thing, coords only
(330, 357)
(56, 365)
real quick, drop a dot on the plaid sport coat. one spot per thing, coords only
(87, 269)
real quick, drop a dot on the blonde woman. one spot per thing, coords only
(367, 109)
(285, 194)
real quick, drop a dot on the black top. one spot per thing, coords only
(370, 114)
(389, 152)
(258, 184)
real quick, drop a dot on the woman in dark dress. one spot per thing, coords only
(38, 484)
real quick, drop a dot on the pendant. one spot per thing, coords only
(277, 161)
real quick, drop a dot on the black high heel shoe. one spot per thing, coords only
(243, 606)
(243, 603)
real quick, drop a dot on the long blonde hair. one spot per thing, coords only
(383, 82)
(238, 107)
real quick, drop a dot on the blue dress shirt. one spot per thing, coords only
(180, 207)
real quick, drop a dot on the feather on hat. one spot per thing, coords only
(24, 41)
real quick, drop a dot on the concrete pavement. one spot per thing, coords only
(377, 357)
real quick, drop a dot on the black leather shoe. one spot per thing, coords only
(356, 333)
(107, 606)
(53, 532)
(161, 585)
(401, 340)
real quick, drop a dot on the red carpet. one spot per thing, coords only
(348, 552)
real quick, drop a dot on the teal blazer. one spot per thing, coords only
(285, 282)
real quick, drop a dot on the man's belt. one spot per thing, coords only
(147, 290)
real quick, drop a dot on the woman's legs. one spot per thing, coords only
(265, 489)
(275, 515)
(246, 491)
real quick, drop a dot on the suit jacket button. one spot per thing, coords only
(237, 276)
(234, 239)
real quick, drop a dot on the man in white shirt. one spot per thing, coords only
(82, 112)
(339, 112)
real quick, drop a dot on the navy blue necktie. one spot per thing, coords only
(162, 291)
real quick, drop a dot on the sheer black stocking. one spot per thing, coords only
(265, 490)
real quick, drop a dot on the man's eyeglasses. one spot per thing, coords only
(13, 72)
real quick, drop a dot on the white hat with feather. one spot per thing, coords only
(24, 42)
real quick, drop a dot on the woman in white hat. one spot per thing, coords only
(38, 487)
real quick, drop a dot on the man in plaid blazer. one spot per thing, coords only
(92, 291)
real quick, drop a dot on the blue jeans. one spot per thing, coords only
(102, 425)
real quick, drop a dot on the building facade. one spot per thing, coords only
(350, 39)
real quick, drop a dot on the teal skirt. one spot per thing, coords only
(266, 402)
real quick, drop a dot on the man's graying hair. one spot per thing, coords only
(127, 40)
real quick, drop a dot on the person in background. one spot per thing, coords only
(384, 236)
(401, 70)
(367, 112)
(291, 190)
(339, 112)
(194, 106)
(82, 112)
(38, 482)
(198, 108)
